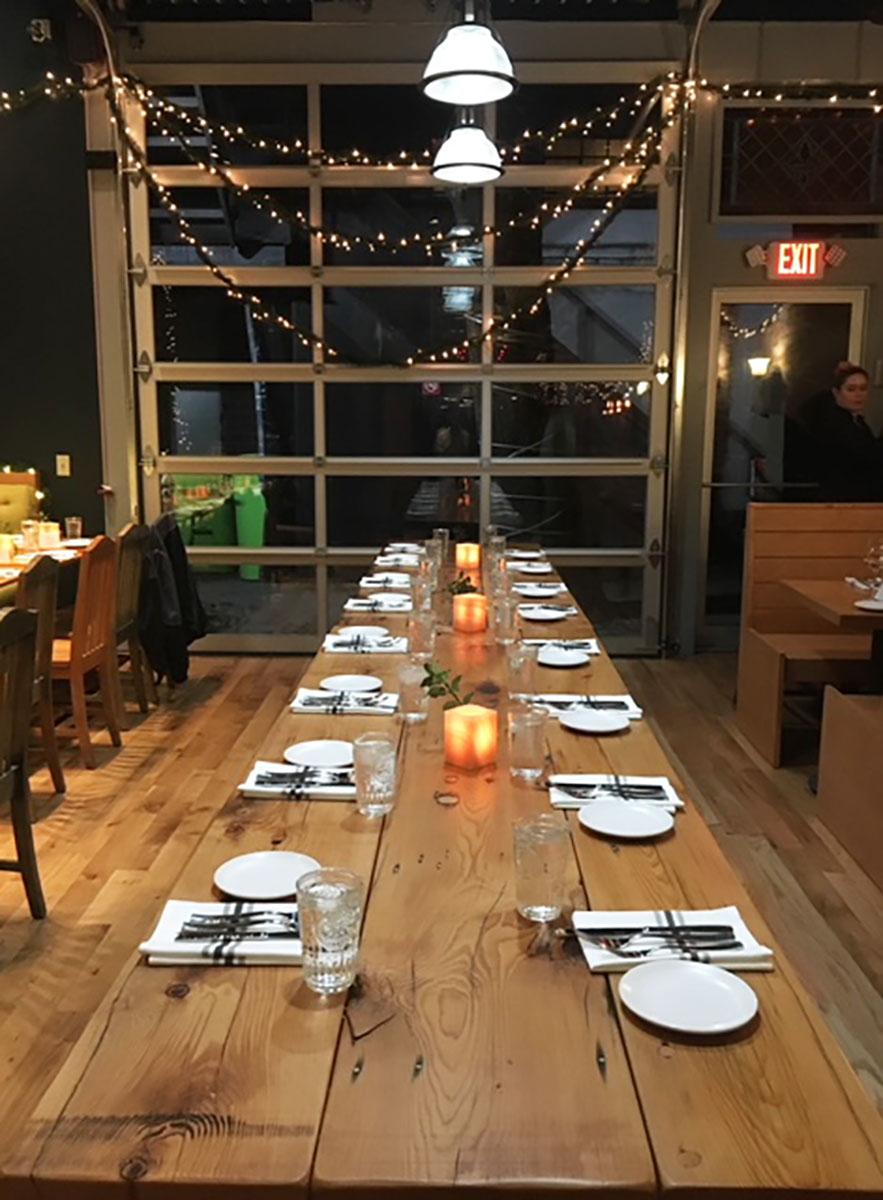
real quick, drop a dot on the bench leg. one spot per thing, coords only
(760, 696)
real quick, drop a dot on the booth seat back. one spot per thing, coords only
(18, 499)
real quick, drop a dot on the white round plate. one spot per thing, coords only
(404, 547)
(351, 683)
(526, 553)
(75, 543)
(365, 631)
(324, 752)
(870, 605)
(539, 612)
(534, 568)
(264, 875)
(619, 819)
(560, 656)
(594, 720)
(688, 997)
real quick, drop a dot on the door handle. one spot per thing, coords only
(104, 489)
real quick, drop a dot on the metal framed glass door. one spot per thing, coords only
(771, 349)
(287, 470)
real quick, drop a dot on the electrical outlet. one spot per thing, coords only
(62, 465)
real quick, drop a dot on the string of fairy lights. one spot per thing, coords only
(743, 333)
(632, 163)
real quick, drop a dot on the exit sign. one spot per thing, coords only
(798, 260)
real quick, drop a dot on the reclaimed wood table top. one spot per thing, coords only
(834, 600)
(475, 1052)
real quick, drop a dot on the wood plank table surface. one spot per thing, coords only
(476, 1050)
(834, 600)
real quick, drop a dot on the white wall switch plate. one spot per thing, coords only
(62, 464)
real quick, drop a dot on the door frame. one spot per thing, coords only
(857, 297)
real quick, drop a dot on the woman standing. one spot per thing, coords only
(850, 455)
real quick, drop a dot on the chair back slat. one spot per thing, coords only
(18, 639)
(801, 541)
(38, 591)
(131, 543)
(95, 609)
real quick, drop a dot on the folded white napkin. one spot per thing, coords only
(344, 643)
(391, 602)
(397, 560)
(162, 950)
(567, 609)
(751, 957)
(386, 579)
(614, 787)
(556, 702)
(590, 645)
(532, 589)
(310, 787)
(362, 703)
(403, 548)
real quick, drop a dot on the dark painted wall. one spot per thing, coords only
(48, 381)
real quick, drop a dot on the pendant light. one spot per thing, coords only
(469, 65)
(467, 155)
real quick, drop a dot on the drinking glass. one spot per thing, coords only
(541, 845)
(499, 578)
(422, 589)
(522, 661)
(30, 535)
(443, 536)
(329, 905)
(374, 766)
(421, 635)
(73, 527)
(527, 742)
(505, 611)
(434, 553)
(413, 698)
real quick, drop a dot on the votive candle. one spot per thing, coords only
(471, 734)
(470, 612)
(468, 556)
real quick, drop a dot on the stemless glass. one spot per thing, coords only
(443, 537)
(30, 535)
(329, 905)
(421, 635)
(527, 742)
(505, 611)
(422, 590)
(375, 769)
(413, 697)
(541, 845)
(73, 527)
(522, 662)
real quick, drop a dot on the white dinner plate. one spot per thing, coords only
(689, 997)
(561, 656)
(263, 875)
(623, 819)
(534, 568)
(526, 553)
(323, 752)
(363, 631)
(870, 605)
(535, 591)
(594, 720)
(541, 612)
(75, 543)
(351, 683)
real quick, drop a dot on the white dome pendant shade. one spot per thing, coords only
(467, 155)
(469, 65)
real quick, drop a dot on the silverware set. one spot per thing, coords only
(338, 702)
(624, 791)
(258, 926)
(583, 702)
(361, 643)
(691, 940)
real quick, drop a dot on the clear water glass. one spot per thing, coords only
(527, 742)
(413, 697)
(541, 853)
(329, 905)
(421, 634)
(505, 614)
(499, 578)
(522, 663)
(376, 772)
(73, 527)
(30, 535)
(422, 590)
(434, 553)
(443, 537)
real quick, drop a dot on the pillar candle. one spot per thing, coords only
(470, 736)
(470, 612)
(468, 556)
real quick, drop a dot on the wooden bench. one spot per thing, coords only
(784, 645)
(851, 777)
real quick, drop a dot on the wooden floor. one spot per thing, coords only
(112, 848)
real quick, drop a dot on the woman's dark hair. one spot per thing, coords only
(845, 370)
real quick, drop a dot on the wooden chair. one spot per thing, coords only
(38, 591)
(850, 774)
(92, 645)
(784, 645)
(131, 543)
(18, 642)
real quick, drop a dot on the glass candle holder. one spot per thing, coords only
(471, 736)
(470, 612)
(468, 556)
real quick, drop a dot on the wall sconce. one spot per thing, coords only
(759, 365)
(663, 371)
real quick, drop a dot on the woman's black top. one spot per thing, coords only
(849, 454)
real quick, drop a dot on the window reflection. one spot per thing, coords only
(572, 511)
(242, 510)
(577, 324)
(255, 599)
(382, 325)
(571, 420)
(409, 420)
(628, 241)
(447, 220)
(202, 324)
(236, 418)
(369, 512)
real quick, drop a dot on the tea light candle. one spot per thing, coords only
(470, 612)
(468, 556)
(470, 736)
(7, 547)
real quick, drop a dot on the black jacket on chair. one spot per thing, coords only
(171, 615)
(849, 455)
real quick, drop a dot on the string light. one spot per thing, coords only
(744, 332)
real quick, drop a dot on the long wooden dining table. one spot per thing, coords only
(476, 1051)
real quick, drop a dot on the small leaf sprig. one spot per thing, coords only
(438, 682)
(461, 585)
